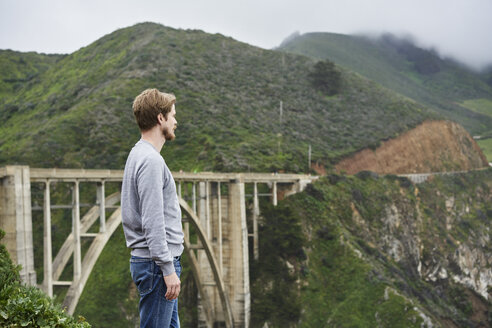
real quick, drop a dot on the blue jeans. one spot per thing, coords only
(155, 310)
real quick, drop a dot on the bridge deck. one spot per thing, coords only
(40, 175)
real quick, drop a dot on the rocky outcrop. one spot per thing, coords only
(438, 233)
(475, 268)
(433, 146)
(467, 262)
(419, 254)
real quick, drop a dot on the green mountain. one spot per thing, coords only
(398, 64)
(75, 110)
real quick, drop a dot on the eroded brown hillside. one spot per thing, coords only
(433, 146)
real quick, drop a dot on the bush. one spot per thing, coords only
(22, 306)
(326, 78)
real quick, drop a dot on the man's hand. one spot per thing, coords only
(173, 286)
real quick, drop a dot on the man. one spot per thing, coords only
(151, 214)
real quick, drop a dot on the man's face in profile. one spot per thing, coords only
(170, 125)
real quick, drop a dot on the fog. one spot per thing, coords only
(455, 28)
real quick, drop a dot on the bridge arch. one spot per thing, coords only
(226, 305)
(101, 239)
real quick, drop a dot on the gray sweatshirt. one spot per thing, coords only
(150, 210)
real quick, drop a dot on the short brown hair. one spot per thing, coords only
(149, 104)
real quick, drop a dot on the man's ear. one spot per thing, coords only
(160, 118)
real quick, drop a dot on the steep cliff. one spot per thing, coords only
(433, 146)
(378, 252)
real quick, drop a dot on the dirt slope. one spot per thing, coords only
(433, 146)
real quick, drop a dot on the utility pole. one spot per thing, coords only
(309, 158)
(281, 111)
(279, 137)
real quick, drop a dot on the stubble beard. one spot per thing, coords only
(168, 134)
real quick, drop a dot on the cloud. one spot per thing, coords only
(456, 28)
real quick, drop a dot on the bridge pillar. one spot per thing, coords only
(256, 215)
(223, 220)
(47, 242)
(274, 194)
(238, 262)
(16, 220)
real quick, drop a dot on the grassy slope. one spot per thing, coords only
(483, 106)
(78, 114)
(486, 146)
(387, 61)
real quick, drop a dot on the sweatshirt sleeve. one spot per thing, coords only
(150, 183)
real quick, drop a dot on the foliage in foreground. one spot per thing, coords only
(22, 306)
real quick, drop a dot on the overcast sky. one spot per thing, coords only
(458, 28)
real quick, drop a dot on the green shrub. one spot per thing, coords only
(22, 306)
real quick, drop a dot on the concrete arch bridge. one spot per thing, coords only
(213, 205)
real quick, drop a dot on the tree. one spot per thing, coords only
(325, 77)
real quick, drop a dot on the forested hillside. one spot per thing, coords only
(75, 111)
(18, 69)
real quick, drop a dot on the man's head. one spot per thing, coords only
(152, 108)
